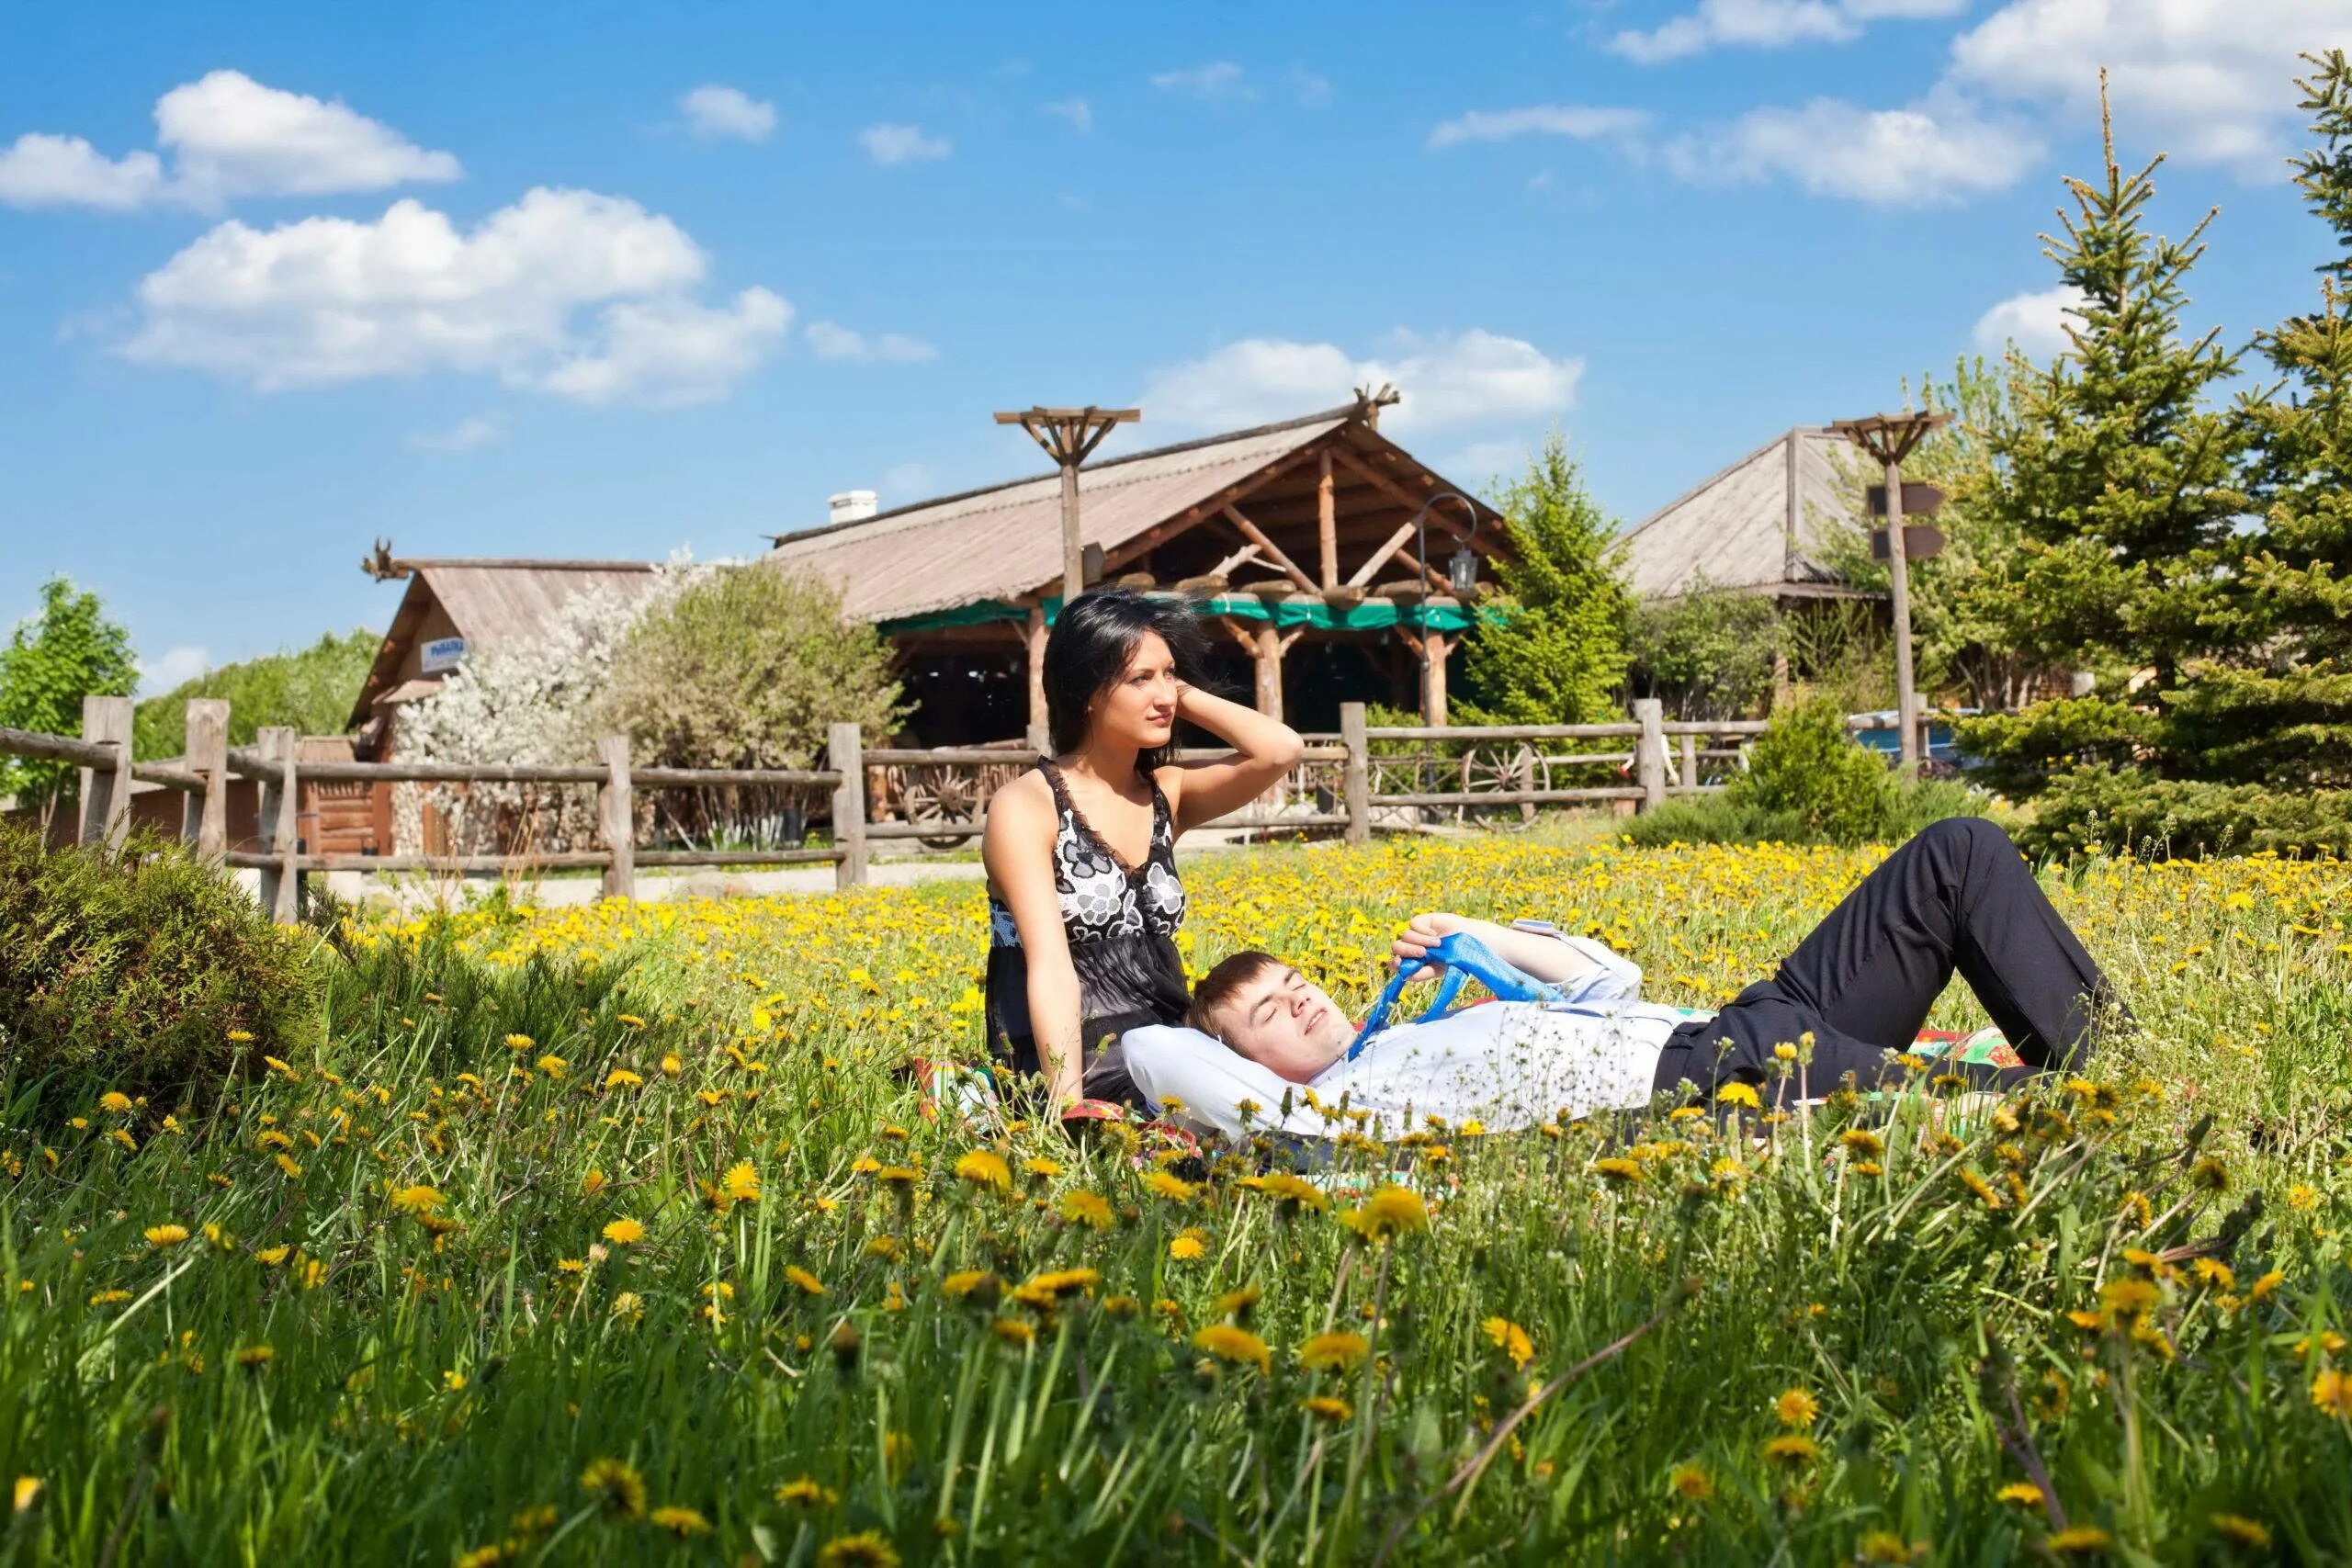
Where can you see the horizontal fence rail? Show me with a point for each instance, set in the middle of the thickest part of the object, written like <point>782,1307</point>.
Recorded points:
<point>939,794</point>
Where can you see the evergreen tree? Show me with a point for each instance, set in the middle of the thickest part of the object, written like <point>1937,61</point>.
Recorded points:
<point>311,691</point>
<point>2283,715</point>
<point>1557,653</point>
<point>69,651</point>
<point>2122,486</point>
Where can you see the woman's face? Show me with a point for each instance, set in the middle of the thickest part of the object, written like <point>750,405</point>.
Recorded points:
<point>1138,709</point>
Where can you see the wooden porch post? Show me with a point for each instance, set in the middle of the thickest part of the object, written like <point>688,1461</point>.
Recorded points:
<point>1435,647</point>
<point>1327,525</point>
<point>1035,637</point>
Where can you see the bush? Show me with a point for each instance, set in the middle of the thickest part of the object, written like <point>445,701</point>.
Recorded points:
<point>1727,820</point>
<point>309,690</point>
<point>1705,654</point>
<point>744,669</point>
<point>132,972</point>
<point>2101,809</point>
<point>1807,766</point>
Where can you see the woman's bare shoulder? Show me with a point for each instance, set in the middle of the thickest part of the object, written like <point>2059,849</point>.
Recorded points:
<point>1023,798</point>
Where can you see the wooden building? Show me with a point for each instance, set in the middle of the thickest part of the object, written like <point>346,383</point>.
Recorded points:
<point>1297,539</point>
<point>1764,526</point>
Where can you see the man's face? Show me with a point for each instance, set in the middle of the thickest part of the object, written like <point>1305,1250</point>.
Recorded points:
<point>1283,1022</point>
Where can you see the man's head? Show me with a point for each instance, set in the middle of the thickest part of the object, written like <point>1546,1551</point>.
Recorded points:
<point>1268,1011</point>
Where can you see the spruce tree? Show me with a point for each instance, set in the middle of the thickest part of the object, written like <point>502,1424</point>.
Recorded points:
<point>1556,653</point>
<point>2281,715</point>
<point>2120,482</point>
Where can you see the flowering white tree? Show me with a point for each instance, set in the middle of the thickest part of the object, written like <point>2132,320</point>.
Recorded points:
<point>530,705</point>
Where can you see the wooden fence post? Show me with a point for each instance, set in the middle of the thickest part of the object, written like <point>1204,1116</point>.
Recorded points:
<point>1649,761</point>
<point>617,812</point>
<point>1689,764</point>
<point>204,818</point>
<point>281,795</point>
<point>845,753</point>
<point>1355,774</point>
<point>105,792</point>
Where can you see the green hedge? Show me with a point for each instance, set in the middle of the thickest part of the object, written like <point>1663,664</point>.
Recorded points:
<point>2103,808</point>
<point>138,972</point>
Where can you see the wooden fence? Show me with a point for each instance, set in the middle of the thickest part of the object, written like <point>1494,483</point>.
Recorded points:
<point>1495,767</point>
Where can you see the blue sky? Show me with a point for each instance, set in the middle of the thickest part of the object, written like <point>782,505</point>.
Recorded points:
<point>591,280</point>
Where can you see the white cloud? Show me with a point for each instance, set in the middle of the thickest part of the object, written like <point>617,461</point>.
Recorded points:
<point>1585,122</point>
<point>671,352</point>
<point>2208,79</point>
<point>228,136</point>
<point>716,112</point>
<point>327,299</point>
<point>231,136</point>
<point>2035,322</point>
<point>1767,24</point>
<point>834,341</point>
<point>1446,378</point>
<point>1078,111</point>
<point>174,668</point>
<point>1932,152</point>
<point>1216,81</point>
<point>892,144</point>
<point>1484,460</point>
<point>65,171</point>
<point>1313,90</point>
<point>463,436</point>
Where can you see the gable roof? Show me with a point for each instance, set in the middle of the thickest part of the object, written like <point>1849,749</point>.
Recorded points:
<point>493,604</point>
<point>1005,541</point>
<point>1759,526</point>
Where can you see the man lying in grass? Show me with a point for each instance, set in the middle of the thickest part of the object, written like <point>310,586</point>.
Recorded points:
<point>1956,896</point>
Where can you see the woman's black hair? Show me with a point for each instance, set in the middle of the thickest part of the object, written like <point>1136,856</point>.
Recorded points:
<point>1090,646</point>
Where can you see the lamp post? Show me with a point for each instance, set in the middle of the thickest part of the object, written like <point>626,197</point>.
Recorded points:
<point>1462,576</point>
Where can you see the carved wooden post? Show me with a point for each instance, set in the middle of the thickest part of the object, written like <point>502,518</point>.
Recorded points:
<point>106,792</point>
<point>1434,649</point>
<point>1327,525</point>
<point>204,818</point>
<point>1649,759</point>
<point>846,752</point>
<point>1689,764</point>
<point>281,883</point>
<point>1356,776</point>
<point>616,814</point>
<point>1035,640</point>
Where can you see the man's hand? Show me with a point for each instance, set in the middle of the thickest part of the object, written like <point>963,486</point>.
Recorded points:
<point>1546,958</point>
<point>1424,931</point>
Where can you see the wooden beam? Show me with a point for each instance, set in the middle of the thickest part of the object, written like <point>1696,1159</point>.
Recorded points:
<point>1269,661</point>
<point>1379,557</point>
<point>1407,498</point>
<point>1326,523</point>
<point>1435,647</point>
<point>1035,637</point>
<point>1233,562</point>
<point>1160,533</point>
<point>1256,536</point>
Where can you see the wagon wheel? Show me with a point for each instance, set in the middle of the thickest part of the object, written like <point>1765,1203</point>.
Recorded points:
<point>1498,768</point>
<point>937,796</point>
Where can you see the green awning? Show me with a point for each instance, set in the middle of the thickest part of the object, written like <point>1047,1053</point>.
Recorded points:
<point>1369,616</point>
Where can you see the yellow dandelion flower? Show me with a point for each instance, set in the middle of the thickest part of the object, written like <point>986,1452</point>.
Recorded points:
<point>1388,1213</point>
<point>2081,1540</point>
<point>1792,1449</point>
<point>867,1549</point>
<point>1862,1141</point>
<point>1235,1346</point>
<point>553,1066</point>
<point>1511,1339</point>
<point>614,1487</point>
<point>27,1492</point>
<point>1740,1094</point>
<point>594,1182</point>
<point>624,1232</point>
<point>1326,1407</point>
<point>678,1520</point>
<point>1886,1547</point>
<point>742,1182</point>
<point>1691,1483</point>
<point>255,1356</point>
<point>108,1298</point>
<point>1084,1208</point>
<point>2023,1494</point>
<point>1795,1408</point>
<point>116,1102</point>
<point>984,1167</point>
<point>803,1492</point>
<point>621,1077</point>
<point>1013,1330</point>
<point>1161,1184</point>
<point>520,1042</point>
<point>1042,1169</point>
<point>809,1283</point>
<point>240,1037</point>
<point>2241,1530</point>
<point>2332,1392</point>
<point>1187,1246</point>
<point>162,1238</point>
<point>416,1199</point>
<point>1618,1170</point>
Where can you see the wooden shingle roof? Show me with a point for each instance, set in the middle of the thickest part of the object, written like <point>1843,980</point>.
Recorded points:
<point>1759,526</point>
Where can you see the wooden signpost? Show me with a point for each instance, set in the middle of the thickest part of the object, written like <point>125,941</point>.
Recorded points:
<point>1069,437</point>
<point>1890,438</point>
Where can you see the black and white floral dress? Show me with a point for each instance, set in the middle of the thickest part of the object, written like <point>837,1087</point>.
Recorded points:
<point>1120,922</point>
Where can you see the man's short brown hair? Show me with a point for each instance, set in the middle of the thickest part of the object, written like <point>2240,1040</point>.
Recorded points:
<point>1218,986</point>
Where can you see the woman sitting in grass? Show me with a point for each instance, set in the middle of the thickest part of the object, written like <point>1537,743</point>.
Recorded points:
<point>1083,896</point>
<point>1956,896</point>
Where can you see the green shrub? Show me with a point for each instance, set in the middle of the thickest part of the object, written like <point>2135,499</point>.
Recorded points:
<point>1727,819</point>
<point>132,972</point>
<point>2021,750</point>
<point>2090,809</point>
<point>1806,766</point>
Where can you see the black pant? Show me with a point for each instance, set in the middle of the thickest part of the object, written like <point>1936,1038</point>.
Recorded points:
<point>1955,897</point>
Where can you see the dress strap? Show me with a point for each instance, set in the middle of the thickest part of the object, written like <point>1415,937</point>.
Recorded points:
<point>1053,772</point>
<point>1163,821</point>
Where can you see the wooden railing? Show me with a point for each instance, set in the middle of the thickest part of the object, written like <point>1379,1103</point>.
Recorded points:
<point>1661,760</point>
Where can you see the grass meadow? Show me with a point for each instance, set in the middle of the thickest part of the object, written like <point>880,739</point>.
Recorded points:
<point>617,1235</point>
